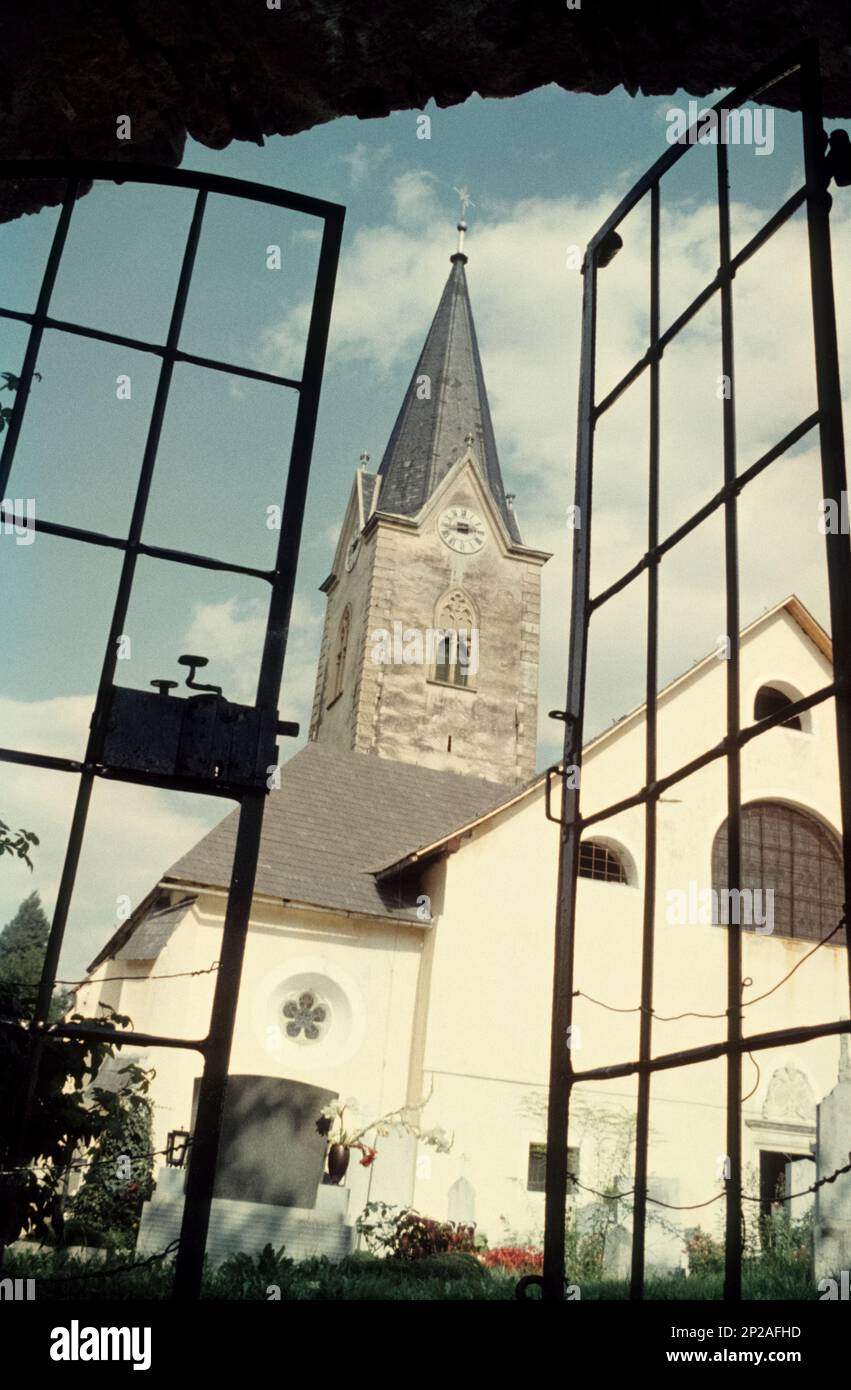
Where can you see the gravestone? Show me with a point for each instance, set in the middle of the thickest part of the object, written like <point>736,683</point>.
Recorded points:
<point>617,1253</point>
<point>832,1230</point>
<point>270,1151</point>
<point>664,1239</point>
<point>461,1201</point>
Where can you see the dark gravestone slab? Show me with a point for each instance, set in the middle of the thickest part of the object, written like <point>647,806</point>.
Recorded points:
<point>270,1150</point>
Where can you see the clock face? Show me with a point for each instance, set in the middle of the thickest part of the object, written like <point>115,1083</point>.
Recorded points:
<point>461,529</point>
<point>352,552</point>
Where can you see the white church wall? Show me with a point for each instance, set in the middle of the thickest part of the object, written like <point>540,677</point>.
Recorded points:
<point>488,1028</point>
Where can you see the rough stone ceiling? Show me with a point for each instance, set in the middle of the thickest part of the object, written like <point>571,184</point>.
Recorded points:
<point>222,70</point>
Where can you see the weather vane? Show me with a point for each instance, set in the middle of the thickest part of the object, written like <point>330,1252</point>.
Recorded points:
<point>466,201</point>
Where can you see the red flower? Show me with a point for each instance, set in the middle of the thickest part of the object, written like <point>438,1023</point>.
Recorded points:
<point>369,1155</point>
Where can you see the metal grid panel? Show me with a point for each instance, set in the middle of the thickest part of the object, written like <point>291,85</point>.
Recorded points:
<point>828,418</point>
<point>215,1047</point>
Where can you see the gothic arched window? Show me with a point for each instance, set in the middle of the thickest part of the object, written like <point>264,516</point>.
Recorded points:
<point>456,640</point>
<point>792,855</point>
<point>339,668</point>
<point>770,699</point>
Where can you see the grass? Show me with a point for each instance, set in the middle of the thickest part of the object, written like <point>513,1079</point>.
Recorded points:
<point>362,1277</point>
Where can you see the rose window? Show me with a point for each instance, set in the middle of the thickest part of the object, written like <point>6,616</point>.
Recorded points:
<point>307,1016</point>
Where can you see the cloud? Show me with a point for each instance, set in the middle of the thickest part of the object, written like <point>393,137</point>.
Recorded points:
<point>145,829</point>
<point>364,160</point>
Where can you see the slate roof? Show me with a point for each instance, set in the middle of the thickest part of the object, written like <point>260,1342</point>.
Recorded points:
<point>337,819</point>
<point>429,435</point>
<point>153,932</point>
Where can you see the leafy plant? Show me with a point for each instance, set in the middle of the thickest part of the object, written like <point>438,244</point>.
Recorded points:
<point>705,1253</point>
<point>516,1260</point>
<point>10,383</point>
<point>403,1234</point>
<point>17,842</point>
<point>120,1177</point>
<point>331,1124</point>
<point>68,1115</point>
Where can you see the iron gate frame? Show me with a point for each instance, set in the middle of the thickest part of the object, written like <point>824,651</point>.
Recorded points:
<point>215,1047</point>
<point>813,194</point>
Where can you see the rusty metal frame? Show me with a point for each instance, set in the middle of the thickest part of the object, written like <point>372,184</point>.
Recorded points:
<point>804,63</point>
<point>215,1047</point>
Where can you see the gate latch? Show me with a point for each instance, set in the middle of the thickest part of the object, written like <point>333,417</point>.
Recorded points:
<point>203,738</point>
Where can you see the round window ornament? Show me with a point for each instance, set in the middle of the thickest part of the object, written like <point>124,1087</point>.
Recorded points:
<point>307,1017</point>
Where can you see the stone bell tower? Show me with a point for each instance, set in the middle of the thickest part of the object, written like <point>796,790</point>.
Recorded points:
<point>430,647</point>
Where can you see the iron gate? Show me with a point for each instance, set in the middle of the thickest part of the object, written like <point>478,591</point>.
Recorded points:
<point>200,744</point>
<point>821,163</point>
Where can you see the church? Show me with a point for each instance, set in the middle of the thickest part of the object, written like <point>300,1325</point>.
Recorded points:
<point>401,941</point>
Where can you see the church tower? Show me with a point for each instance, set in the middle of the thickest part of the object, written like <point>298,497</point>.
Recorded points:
<point>430,646</point>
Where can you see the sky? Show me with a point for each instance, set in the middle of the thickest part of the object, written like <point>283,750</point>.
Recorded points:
<point>543,171</point>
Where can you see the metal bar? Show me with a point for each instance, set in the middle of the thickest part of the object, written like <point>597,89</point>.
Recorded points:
<point>82,1030</point>
<point>156,552</point>
<point>719,499</point>
<point>101,335</point>
<point>114,171</point>
<point>642,1130</point>
<point>774,223</point>
<point>733,1230</point>
<point>211,1095</point>
<point>561,1039</point>
<point>48,281</point>
<point>772,73</point>
<point>834,482</point>
<point>711,755</point>
<point>97,731</point>
<point>16,755</point>
<point>710,1052</point>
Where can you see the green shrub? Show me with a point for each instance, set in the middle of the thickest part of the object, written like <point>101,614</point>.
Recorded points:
<point>452,1265</point>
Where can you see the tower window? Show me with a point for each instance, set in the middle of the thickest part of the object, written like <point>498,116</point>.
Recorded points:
<point>770,700</point>
<point>599,861</point>
<point>792,855</point>
<point>456,634</point>
<point>453,660</point>
<point>339,668</point>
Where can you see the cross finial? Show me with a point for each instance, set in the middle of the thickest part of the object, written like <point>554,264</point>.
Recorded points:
<point>469,439</point>
<point>364,460</point>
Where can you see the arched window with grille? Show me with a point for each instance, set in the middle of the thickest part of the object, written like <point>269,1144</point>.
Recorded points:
<point>455,621</point>
<point>340,651</point>
<point>771,699</point>
<point>790,853</point>
<point>603,862</point>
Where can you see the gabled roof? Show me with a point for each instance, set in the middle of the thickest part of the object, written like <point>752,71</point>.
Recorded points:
<point>336,816</point>
<point>792,605</point>
<point>430,433</point>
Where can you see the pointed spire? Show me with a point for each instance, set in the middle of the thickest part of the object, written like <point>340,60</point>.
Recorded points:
<point>445,405</point>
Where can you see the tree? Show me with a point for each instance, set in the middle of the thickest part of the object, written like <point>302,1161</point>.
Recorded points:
<point>23,942</point>
<point>69,1113</point>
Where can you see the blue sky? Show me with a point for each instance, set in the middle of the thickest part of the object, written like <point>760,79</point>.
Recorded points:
<point>543,170</point>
